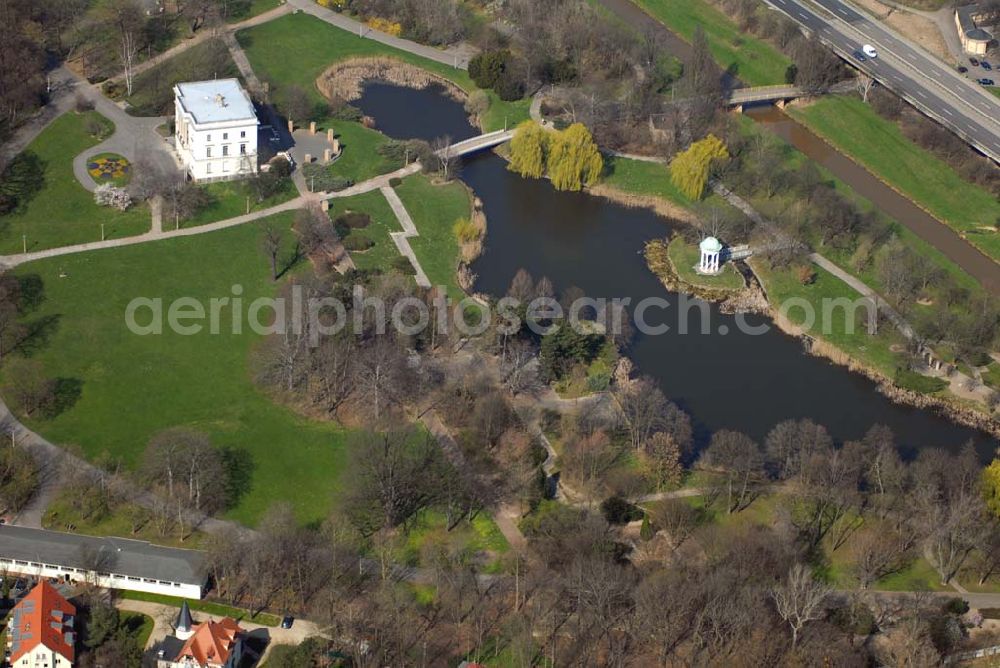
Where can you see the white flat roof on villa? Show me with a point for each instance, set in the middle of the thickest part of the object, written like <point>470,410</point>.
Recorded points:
<point>216,101</point>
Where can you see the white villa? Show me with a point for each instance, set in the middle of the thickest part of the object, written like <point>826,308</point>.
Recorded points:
<point>216,135</point>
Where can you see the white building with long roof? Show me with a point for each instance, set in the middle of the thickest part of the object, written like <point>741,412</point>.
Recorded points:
<point>216,129</point>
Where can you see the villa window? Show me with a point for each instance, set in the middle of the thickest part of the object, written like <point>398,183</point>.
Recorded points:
<point>208,138</point>
<point>225,150</point>
<point>243,149</point>
<point>225,136</point>
<point>243,134</point>
<point>208,151</point>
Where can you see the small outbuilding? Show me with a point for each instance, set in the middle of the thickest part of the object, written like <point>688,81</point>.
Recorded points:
<point>711,254</point>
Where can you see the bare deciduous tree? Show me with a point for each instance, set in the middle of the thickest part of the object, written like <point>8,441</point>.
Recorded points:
<point>864,85</point>
<point>642,407</point>
<point>741,462</point>
<point>799,599</point>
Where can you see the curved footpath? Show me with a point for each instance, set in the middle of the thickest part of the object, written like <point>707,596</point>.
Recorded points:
<point>456,56</point>
<point>134,137</point>
<point>10,261</point>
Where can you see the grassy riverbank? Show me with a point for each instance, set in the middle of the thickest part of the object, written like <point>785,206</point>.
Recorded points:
<point>295,49</point>
<point>751,59</point>
<point>843,329</point>
<point>878,144</point>
<point>434,209</point>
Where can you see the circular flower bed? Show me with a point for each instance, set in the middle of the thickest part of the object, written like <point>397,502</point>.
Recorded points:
<point>109,168</point>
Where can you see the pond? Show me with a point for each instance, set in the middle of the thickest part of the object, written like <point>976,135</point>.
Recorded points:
<point>724,378</point>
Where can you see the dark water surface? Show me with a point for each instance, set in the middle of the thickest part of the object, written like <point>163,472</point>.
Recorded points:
<point>732,380</point>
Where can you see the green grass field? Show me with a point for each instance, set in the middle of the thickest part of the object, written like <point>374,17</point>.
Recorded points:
<point>360,160</point>
<point>650,179</point>
<point>63,212</point>
<point>783,285</point>
<point>135,386</point>
<point>879,145</point>
<point>469,539</point>
<point>229,199</point>
<point>61,516</point>
<point>381,255</point>
<point>208,607</point>
<point>434,209</point>
<point>751,59</point>
<point>297,48</point>
<point>256,7</point>
<point>137,625</point>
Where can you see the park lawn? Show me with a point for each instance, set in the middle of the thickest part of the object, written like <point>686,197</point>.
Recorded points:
<point>879,145</point>
<point>360,159</point>
<point>135,386</point>
<point>992,375</point>
<point>434,209</point>
<point>650,179</point>
<point>783,285</point>
<point>61,516</point>
<point>153,90</point>
<point>63,212</point>
<point>751,59</point>
<point>295,49</point>
<point>137,625</point>
<point>256,8</point>
<point>643,178</point>
<point>381,255</point>
<point>208,607</point>
<point>229,199</point>
<point>917,575</point>
<point>685,256</point>
<point>471,539</point>
<point>995,91</point>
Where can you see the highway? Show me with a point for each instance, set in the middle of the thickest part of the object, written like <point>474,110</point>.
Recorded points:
<point>931,85</point>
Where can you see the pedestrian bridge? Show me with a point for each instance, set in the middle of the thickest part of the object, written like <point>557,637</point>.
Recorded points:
<point>475,144</point>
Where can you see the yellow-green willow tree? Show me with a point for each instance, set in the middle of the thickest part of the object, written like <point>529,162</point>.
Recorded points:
<point>528,149</point>
<point>574,160</point>
<point>689,170</point>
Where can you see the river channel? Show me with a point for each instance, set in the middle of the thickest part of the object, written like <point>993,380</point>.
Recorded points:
<point>723,377</point>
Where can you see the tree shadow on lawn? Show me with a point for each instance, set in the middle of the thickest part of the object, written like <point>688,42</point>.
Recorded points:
<point>296,256</point>
<point>37,334</point>
<point>65,393</point>
<point>240,466</point>
<point>32,293</point>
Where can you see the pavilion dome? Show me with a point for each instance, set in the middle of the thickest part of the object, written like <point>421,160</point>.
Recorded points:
<point>710,245</point>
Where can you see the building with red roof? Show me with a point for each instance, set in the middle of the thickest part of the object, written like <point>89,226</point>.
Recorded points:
<point>40,630</point>
<point>209,644</point>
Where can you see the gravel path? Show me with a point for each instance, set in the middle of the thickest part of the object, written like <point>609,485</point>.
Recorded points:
<point>134,137</point>
<point>402,239</point>
<point>163,617</point>
<point>457,56</point>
